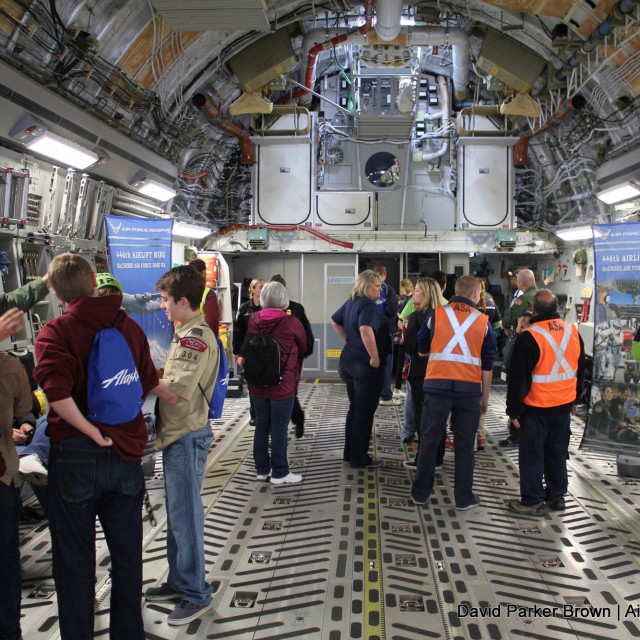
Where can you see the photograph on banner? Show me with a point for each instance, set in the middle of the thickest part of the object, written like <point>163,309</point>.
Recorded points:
<point>614,413</point>
<point>139,254</point>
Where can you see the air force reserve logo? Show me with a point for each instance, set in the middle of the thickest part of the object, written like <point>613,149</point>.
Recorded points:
<point>115,227</point>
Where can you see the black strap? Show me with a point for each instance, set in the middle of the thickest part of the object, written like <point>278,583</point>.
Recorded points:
<point>284,366</point>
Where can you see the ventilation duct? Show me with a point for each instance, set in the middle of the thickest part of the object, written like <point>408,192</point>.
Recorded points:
<point>211,110</point>
<point>388,15</point>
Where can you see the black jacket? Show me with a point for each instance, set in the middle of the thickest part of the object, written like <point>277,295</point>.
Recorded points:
<point>298,311</point>
<point>418,363</point>
<point>524,358</point>
<point>241,323</point>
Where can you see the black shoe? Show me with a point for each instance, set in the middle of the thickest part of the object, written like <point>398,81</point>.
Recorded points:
<point>408,439</point>
<point>516,506</point>
<point>474,503</point>
<point>252,422</point>
<point>508,443</point>
<point>557,504</point>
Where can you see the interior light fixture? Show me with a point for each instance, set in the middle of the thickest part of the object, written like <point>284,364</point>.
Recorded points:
<point>619,193</point>
<point>192,231</point>
<point>152,188</point>
<point>575,233</point>
<point>37,138</point>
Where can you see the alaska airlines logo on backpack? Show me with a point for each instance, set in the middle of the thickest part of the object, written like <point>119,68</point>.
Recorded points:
<point>114,391</point>
<point>122,377</point>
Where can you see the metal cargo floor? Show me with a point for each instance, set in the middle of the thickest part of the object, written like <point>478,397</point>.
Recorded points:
<point>346,554</point>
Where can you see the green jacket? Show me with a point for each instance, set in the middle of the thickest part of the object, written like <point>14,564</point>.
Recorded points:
<point>24,297</point>
<point>522,304</point>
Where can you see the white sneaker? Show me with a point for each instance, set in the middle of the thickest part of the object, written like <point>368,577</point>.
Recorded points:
<point>32,470</point>
<point>399,393</point>
<point>260,476</point>
<point>392,402</point>
<point>289,479</point>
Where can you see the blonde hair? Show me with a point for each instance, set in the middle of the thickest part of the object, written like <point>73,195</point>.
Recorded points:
<point>406,287</point>
<point>466,286</point>
<point>71,276</point>
<point>364,281</point>
<point>432,294</point>
<point>482,303</point>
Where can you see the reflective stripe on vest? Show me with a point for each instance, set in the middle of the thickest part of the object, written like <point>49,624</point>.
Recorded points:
<point>553,381</point>
<point>451,332</point>
<point>559,350</point>
<point>204,297</point>
<point>458,340</point>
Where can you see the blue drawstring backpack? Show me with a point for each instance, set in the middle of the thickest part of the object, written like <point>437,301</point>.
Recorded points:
<point>114,390</point>
<point>216,403</point>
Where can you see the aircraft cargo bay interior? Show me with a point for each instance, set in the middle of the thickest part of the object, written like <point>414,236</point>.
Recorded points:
<point>345,554</point>
<point>338,155</point>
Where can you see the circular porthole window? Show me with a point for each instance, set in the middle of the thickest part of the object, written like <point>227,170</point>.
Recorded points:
<point>382,169</point>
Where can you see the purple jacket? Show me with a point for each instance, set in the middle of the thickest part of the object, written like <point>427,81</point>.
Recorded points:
<point>292,338</point>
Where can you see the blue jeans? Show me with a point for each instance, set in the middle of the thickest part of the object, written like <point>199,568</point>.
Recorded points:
<point>544,445</point>
<point>409,426</point>
<point>272,419</point>
<point>364,385</point>
<point>86,480</point>
<point>465,413</point>
<point>184,463</point>
<point>10,574</point>
<point>40,444</point>
<point>387,393</point>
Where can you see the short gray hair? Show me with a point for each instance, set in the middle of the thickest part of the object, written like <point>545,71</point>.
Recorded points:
<point>274,296</point>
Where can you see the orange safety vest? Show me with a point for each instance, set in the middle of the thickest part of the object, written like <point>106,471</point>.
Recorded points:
<point>554,377</point>
<point>456,343</point>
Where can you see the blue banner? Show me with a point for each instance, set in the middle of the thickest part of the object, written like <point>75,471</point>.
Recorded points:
<point>139,253</point>
<point>614,415</point>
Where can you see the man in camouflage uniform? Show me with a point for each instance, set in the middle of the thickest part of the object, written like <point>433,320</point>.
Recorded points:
<point>526,282</point>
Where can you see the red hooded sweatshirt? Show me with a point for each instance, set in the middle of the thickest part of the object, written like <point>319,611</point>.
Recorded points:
<point>62,353</point>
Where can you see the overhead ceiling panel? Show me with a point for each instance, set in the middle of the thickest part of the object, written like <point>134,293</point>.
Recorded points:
<point>221,15</point>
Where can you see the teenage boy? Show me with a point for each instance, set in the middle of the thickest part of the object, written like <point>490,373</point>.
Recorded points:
<point>94,469</point>
<point>184,436</point>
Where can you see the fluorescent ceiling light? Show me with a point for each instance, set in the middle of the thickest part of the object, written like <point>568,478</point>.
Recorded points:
<point>619,193</point>
<point>33,133</point>
<point>152,188</point>
<point>63,151</point>
<point>193,231</point>
<point>575,233</point>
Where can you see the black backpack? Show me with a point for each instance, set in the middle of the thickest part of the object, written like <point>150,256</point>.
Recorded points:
<point>262,360</point>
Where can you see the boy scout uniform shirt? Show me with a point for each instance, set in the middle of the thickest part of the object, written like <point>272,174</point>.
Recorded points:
<point>193,358</point>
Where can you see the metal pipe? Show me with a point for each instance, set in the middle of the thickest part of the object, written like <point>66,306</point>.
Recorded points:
<point>574,198</point>
<point>388,15</point>
<point>566,109</point>
<point>407,161</point>
<point>212,111</point>
<point>446,115</point>
<point>319,95</point>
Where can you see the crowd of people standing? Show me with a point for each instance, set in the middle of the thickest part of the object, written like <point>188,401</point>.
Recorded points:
<point>442,350</point>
